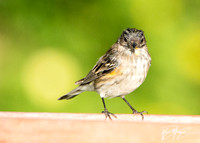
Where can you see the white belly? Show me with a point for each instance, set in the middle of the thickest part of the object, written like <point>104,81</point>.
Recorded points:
<point>134,73</point>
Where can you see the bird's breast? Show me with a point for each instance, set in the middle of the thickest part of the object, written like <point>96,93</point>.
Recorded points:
<point>128,76</point>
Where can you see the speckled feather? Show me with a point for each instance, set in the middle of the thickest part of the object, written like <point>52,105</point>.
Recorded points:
<point>121,70</point>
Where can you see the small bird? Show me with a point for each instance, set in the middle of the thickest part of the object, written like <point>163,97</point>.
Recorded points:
<point>119,72</point>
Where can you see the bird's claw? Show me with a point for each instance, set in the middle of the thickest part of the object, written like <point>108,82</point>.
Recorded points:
<point>108,114</point>
<point>141,113</point>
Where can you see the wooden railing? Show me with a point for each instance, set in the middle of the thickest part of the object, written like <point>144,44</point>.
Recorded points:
<point>20,127</point>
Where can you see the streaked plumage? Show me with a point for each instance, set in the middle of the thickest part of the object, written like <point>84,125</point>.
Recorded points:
<point>120,71</point>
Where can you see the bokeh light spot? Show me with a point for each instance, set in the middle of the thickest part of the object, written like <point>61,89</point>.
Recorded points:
<point>47,75</point>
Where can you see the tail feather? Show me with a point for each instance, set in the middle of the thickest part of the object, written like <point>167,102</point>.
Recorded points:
<point>72,94</point>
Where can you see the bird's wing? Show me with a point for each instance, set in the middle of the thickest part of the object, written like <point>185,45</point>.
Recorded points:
<point>105,65</point>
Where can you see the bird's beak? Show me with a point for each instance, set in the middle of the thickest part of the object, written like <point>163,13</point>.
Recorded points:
<point>134,45</point>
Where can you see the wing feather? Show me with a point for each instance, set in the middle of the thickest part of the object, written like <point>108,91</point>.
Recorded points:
<point>105,65</point>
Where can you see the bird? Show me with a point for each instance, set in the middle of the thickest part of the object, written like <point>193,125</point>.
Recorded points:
<point>121,70</point>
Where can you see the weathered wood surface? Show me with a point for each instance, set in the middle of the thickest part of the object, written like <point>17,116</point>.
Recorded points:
<point>20,127</point>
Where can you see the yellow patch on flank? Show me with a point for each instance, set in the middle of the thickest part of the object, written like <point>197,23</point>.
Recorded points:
<point>114,72</point>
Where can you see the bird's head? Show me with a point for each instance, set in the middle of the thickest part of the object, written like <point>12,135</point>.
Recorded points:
<point>132,38</point>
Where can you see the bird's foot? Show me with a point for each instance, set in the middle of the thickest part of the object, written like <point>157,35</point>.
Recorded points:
<point>108,114</point>
<point>141,113</point>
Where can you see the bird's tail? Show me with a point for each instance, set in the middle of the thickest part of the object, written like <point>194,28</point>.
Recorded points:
<point>72,93</point>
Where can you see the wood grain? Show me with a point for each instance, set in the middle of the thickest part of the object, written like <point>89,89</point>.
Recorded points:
<point>20,127</point>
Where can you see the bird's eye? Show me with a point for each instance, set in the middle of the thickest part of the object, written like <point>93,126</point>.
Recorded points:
<point>142,40</point>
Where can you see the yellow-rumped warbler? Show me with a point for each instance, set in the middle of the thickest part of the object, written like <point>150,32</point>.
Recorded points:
<point>120,71</point>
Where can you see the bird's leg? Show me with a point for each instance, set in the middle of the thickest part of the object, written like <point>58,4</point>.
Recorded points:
<point>134,111</point>
<point>106,112</point>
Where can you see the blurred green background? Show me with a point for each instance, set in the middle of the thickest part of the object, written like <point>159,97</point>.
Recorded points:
<point>45,46</point>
